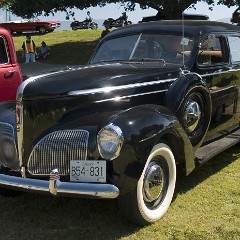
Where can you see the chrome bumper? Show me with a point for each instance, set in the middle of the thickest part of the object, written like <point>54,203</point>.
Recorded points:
<point>55,187</point>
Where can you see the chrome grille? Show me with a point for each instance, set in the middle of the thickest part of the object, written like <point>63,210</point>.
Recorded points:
<point>56,150</point>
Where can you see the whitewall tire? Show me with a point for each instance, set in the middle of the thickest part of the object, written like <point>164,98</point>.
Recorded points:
<point>151,198</point>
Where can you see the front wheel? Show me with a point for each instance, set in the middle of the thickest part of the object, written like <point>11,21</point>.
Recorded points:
<point>41,30</point>
<point>94,26</point>
<point>151,198</point>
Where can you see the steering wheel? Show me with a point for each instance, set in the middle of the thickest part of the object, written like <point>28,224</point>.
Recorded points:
<point>157,50</point>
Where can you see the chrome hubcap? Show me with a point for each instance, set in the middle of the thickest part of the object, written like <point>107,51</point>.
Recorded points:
<point>192,115</point>
<point>153,182</point>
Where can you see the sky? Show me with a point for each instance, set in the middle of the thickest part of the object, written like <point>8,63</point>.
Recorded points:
<point>115,10</point>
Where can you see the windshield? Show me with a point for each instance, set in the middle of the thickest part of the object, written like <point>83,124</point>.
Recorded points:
<point>145,47</point>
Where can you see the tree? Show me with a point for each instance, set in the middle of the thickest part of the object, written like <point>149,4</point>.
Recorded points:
<point>170,8</point>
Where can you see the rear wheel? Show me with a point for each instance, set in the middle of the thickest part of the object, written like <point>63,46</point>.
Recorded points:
<point>151,198</point>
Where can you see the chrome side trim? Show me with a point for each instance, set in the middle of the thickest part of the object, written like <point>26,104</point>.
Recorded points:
<point>115,88</point>
<point>134,95</point>
<point>69,189</point>
<point>217,73</point>
<point>136,85</point>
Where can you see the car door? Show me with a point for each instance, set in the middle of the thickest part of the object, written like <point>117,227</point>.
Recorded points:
<point>9,76</point>
<point>213,61</point>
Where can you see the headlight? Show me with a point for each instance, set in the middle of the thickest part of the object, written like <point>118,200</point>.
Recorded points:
<point>110,141</point>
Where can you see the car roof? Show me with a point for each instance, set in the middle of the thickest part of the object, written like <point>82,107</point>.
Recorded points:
<point>191,27</point>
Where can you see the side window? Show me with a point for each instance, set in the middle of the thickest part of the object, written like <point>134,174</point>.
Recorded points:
<point>3,53</point>
<point>212,51</point>
<point>234,44</point>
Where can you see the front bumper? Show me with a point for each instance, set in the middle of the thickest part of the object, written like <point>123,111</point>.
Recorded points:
<point>55,187</point>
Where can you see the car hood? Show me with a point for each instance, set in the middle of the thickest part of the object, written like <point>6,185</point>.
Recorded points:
<point>93,78</point>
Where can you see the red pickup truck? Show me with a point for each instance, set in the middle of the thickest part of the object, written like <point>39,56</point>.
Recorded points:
<point>10,72</point>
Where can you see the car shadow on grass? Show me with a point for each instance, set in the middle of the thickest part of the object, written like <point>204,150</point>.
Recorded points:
<point>30,215</point>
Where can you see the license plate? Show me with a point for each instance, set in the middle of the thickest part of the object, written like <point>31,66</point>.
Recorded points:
<point>87,171</point>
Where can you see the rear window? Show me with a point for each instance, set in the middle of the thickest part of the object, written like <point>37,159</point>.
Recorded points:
<point>212,51</point>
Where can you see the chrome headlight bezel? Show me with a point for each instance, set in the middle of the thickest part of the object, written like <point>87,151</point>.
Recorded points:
<point>110,141</point>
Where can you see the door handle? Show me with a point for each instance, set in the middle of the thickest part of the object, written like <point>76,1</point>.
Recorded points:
<point>9,74</point>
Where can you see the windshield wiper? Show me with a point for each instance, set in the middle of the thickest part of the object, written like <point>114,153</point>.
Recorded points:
<point>148,60</point>
<point>112,60</point>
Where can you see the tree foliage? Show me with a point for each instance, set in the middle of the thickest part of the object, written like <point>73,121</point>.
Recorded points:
<point>170,8</point>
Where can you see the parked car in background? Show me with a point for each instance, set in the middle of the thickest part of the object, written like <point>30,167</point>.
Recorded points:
<point>54,23</point>
<point>30,26</point>
<point>236,16</point>
<point>152,100</point>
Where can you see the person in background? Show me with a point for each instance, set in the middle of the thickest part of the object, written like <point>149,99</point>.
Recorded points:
<point>88,18</point>
<point>43,51</point>
<point>29,50</point>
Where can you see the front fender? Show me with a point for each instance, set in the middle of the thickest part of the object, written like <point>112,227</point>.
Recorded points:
<point>143,127</point>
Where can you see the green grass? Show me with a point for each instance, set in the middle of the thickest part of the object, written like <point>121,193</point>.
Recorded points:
<point>67,47</point>
<point>206,204</point>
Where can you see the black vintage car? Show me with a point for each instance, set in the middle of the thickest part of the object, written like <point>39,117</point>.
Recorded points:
<point>155,97</point>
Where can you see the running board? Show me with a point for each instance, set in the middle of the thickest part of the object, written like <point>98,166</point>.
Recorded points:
<point>210,150</point>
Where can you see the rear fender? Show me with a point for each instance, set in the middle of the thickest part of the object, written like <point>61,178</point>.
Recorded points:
<point>179,89</point>
<point>190,101</point>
